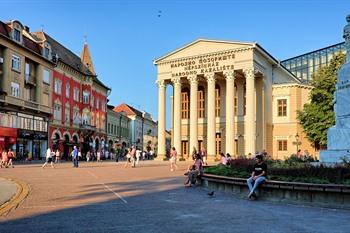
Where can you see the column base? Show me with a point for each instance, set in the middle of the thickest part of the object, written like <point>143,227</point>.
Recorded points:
<point>160,157</point>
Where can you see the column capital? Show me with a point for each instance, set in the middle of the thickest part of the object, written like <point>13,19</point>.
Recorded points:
<point>193,79</point>
<point>176,81</point>
<point>229,75</point>
<point>161,83</point>
<point>249,72</point>
<point>210,77</point>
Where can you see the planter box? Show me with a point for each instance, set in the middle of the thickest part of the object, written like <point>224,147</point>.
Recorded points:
<point>325,195</point>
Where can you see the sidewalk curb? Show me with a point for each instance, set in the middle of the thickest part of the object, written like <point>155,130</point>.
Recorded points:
<point>21,194</point>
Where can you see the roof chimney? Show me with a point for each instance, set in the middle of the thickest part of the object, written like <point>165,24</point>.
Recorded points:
<point>26,28</point>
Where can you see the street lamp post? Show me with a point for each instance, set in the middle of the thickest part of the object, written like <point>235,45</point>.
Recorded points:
<point>297,141</point>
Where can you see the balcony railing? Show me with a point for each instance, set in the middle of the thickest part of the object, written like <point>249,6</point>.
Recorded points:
<point>87,127</point>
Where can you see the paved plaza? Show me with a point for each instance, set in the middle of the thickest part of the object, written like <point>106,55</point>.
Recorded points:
<point>107,197</point>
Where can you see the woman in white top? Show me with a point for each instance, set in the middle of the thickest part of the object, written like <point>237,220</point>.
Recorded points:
<point>173,158</point>
<point>49,155</point>
<point>57,155</point>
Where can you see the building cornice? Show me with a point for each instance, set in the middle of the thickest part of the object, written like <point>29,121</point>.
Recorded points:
<point>205,55</point>
<point>290,85</point>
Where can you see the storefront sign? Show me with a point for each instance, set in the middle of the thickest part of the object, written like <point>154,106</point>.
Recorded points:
<point>8,132</point>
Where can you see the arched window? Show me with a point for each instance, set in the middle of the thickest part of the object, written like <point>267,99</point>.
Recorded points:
<point>185,103</point>
<point>201,102</point>
<point>217,101</point>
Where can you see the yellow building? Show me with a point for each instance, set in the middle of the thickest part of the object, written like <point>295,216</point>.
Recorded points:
<point>230,97</point>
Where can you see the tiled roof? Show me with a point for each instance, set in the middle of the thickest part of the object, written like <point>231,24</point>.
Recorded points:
<point>68,57</point>
<point>128,110</point>
<point>64,54</point>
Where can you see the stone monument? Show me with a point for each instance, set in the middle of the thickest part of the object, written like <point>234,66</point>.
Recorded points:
<point>338,136</point>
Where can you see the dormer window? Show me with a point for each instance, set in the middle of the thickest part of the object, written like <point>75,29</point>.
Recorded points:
<point>17,35</point>
<point>47,50</point>
<point>17,31</point>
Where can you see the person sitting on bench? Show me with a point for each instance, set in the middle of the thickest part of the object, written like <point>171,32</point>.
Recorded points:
<point>258,176</point>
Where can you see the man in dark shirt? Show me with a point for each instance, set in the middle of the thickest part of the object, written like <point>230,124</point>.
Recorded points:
<point>258,175</point>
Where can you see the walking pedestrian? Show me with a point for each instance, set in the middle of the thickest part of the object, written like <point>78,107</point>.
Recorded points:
<point>173,158</point>
<point>75,156</point>
<point>133,156</point>
<point>57,156</point>
<point>98,156</point>
<point>88,156</point>
<point>10,157</point>
<point>128,158</point>
<point>49,155</point>
<point>4,158</point>
<point>138,155</point>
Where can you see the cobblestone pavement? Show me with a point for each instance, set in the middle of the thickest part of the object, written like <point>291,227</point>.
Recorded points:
<point>106,197</point>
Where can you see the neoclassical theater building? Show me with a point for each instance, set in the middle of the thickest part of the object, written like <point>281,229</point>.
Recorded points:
<point>230,97</point>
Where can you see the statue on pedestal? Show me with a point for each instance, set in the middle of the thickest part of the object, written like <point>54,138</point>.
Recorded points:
<point>338,136</point>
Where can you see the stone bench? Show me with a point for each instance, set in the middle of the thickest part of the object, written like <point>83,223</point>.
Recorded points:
<point>326,195</point>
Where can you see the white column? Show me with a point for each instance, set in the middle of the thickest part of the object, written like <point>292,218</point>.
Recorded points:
<point>193,112</point>
<point>211,123</point>
<point>172,118</point>
<point>177,115</point>
<point>161,119</point>
<point>230,123</point>
<point>249,123</point>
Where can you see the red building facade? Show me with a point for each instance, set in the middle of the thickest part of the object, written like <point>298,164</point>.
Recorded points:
<point>79,101</point>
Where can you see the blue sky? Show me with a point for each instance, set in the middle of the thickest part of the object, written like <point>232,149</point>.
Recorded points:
<point>126,36</point>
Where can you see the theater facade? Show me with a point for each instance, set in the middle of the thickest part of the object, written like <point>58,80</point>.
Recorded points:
<point>229,97</point>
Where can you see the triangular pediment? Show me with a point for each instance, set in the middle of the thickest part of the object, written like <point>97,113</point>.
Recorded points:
<point>203,46</point>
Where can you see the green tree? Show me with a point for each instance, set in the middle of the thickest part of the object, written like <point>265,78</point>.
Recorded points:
<point>318,115</point>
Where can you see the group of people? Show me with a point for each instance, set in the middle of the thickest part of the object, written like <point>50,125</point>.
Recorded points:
<point>52,157</point>
<point>133,157</point>
<point>6,158</point>
<point>194,170</point>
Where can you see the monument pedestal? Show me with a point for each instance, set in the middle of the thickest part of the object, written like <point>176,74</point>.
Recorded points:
<point>334,156</point>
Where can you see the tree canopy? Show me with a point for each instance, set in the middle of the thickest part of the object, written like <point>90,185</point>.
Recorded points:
<point>318,115</point>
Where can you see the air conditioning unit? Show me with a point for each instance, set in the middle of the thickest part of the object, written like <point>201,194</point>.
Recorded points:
<point>1,60</point>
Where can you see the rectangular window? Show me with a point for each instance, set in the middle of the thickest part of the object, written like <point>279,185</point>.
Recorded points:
<point>85,97</point>
<point>15,89</point>
<point>16,63</point>
<point>67,90</point>
<point>98,103</point>
<point>217,102</point>
<point>57,112</point>
<point>46,76</point>
<point>282,145</point>
<point>184,147</point>
<point>27,71</point>
<point>46,52</point>
<point>282,107</point>
<point>184,105</point>
<point>76,94</point>
<point>16,35</point>
<point>58,86</point>
<point>201,104</point>
<point>66,115</point>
